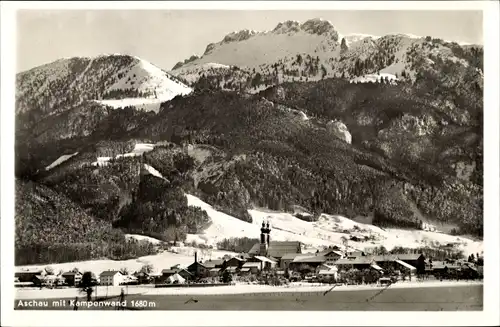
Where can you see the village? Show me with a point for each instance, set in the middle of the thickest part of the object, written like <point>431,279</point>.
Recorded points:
<point>273,263</point>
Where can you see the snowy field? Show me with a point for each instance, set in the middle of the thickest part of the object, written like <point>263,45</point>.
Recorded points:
<point>24,294</point>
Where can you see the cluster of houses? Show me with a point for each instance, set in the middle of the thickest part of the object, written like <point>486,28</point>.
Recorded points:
<point>282,257</point>
<point>279,257</point>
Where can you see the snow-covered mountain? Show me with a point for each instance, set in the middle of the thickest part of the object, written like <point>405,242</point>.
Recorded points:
<point>314,50</point>
<point>113,80</point>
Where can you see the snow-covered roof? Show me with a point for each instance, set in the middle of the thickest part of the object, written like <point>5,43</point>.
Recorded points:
<point>264,259</point>
<point>109,273</point>
<point>402,263</point>
<point>310,259</point>
<point>251,264</point>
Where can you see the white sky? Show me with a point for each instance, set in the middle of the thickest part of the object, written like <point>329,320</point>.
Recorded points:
<point>165,37</point>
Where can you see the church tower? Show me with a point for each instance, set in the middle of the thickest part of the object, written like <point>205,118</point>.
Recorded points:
<point>263,240</point>
<point>268,231</point>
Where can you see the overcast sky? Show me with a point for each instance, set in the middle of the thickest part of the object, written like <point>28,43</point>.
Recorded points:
<point>165,37</point>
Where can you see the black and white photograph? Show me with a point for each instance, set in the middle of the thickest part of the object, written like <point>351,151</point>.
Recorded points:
<point>195,159</point>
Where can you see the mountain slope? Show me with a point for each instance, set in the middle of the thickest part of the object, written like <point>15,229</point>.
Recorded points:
<point>52,228</point>
<point>315,49</point>
<point>68,83</point>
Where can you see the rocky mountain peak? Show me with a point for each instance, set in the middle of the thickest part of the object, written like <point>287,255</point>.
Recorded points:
<point>318,26</point>
<point>239,36</point>
<point>287,27</point>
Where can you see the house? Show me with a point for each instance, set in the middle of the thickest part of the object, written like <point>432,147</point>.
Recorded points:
<point>130,280</point>
<point>361,262</point>
<point>165,273</point>
<point>266,263</point>
<point>287,259</point>
<point>386,261</point>
<point>325,266</point>
<point>416,260</point>
<point>325,272</point>
<point>312,261</point>
<point>244,271</point>
<point>354,254</point>
<point>443,268</point>
<point>214,272</point>
<point>143,277</point>
<point>253,267</point>
<point>331,255</point>
<point>111,278</point>
<point>72,278</point>
<point>235,262</point>
<point>198,269</point>
<point>232,269</point>
<point>176,279</point>
<point>210,264</point>
<point>27,275</point>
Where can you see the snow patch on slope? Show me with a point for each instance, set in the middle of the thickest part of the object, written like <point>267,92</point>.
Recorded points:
<point>153,171</point>
<point>60,160</point>
<point>138,150</point>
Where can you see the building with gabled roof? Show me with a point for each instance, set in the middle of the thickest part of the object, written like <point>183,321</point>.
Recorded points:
<point>285,261</point>
<point>416,260</point>
<point>235,262</point>
<point>72,278</point>
<point>267,263</point>
<point>110,278</point>
<point>218,263</point>
<point>277,249</point>
<point>362,262</point>
<point>312,261</point>
<point>253,267</point>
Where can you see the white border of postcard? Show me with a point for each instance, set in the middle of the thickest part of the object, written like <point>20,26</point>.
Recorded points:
<point>489,316</point>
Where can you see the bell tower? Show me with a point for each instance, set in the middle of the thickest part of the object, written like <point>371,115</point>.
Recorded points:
<point>263,240</point>
<point>268,231</point>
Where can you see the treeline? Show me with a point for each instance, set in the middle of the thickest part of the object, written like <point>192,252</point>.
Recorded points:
<point>127,93</point>
<point>433,253</point>
<point>120,249</point>
<point>237,244</point>
<point>51,228</point>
